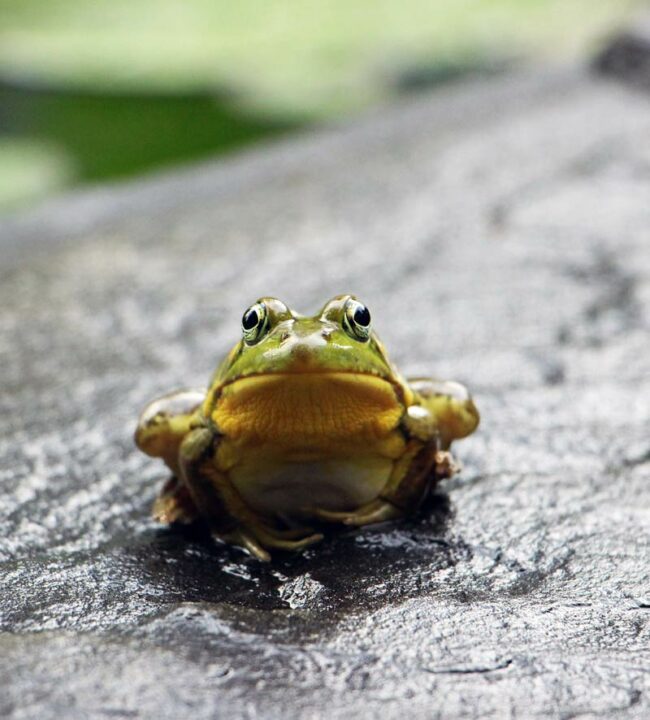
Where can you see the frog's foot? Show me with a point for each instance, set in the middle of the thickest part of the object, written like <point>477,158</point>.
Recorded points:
<point>445,465</point>
<point>174,504</point>
<point>376,511</point>
<point>257,539</point>
<point>246,540</point>
<point>272,538</point>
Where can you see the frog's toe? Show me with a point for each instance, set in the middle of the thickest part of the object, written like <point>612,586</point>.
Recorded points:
<point>246,540</point>
<point>258,540</point>
<point>374,512</point>
<point>277,539</point>
<point>329,515</point>
<point>377,512</point>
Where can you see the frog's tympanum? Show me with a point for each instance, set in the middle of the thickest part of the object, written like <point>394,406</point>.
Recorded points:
<point>305,422</point>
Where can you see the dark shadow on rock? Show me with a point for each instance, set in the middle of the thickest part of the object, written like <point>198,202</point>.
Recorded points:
<point>348,570</point>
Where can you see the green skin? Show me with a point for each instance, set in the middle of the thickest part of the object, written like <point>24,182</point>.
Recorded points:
<point>180,427</point>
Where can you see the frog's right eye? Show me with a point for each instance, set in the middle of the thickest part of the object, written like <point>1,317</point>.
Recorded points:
<point>255,323</point>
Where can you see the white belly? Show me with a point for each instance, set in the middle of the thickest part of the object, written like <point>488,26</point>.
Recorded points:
<point>292,489</point>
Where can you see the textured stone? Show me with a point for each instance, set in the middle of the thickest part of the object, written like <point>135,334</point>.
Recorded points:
<point>500,234</point>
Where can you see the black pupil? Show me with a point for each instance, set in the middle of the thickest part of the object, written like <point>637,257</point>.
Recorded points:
<point>250,319</point>
<point>362,316</point>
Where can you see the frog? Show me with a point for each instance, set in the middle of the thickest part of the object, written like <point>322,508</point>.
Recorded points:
<point>305,424</point>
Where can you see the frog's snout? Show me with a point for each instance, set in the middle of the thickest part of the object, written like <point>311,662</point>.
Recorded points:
<point>303,347</point>
<point>303,351</point>
<point>301,355</point>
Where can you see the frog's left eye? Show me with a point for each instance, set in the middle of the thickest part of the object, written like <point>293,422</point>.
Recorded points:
<point>356,320</point>
<point>255,323</point>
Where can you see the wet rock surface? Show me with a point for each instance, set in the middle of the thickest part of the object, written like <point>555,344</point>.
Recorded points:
<point>500,235</point>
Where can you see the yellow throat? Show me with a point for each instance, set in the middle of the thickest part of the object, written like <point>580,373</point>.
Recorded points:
<point>318,409</point>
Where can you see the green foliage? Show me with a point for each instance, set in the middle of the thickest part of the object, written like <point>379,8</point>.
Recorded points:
<point>316,56</point>
<point>115,134</point>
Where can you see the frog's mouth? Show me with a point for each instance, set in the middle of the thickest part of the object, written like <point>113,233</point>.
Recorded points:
<point>301,408</point>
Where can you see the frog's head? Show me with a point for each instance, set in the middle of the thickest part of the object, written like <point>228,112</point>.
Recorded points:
<point>275,339</point>
<point>280,346</point>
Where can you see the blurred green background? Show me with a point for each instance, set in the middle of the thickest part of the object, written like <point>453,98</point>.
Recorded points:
<point>93,90</point>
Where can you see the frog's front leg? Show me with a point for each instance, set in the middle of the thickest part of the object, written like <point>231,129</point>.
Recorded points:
<point>443,412</point>
<point>219,503</point>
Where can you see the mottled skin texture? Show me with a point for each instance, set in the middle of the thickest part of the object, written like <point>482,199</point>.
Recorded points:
<point>305,422</point>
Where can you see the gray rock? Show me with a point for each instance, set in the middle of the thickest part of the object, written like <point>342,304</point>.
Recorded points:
<point>627,56</point>
<point>499,234</point>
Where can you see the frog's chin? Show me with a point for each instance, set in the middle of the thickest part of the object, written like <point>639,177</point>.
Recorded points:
<point>308,409</point>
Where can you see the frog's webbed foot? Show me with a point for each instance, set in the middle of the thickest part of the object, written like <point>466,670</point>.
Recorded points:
<point>174,504</point>
<point>258,538</point>
<point>246,540</point>
<point>376,511</point>
<point>284,540</point>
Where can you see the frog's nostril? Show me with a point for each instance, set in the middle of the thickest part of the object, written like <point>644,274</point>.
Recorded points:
<point>284,337</point>
<point>326,333</point>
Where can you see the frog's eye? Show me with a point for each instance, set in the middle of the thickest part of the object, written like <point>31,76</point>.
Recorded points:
<point>255,323</point>
<point>356,320</point>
